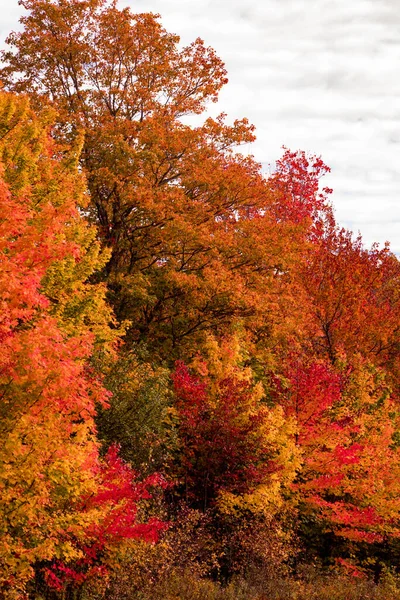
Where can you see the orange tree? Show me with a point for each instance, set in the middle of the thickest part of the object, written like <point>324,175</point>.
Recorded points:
<point>199,241</point>
<point>63,510</point>
<point>340,381</point>
<point>190,223</point>
<point>235,459</point>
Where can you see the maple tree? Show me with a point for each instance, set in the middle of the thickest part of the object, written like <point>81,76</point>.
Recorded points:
<point>130,239</point>
<point>194,244</point>
<point>233,449</point>
<point>296,189</point>
<point>353,294</point>
<point>347,436</point>
<point>339,376</point>
<point>339,379</point>
<point>234,458</point>
<point>49,455</point>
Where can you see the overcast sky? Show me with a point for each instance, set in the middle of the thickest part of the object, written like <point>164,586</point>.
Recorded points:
<point>317,75</point>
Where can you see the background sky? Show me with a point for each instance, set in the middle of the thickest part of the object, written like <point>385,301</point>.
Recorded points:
<point>317,75</point>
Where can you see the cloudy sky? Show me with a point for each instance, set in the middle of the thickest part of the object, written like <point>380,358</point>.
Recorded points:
<point>317,75</point>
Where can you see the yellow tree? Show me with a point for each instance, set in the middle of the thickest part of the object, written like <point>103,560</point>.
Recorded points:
<point>49,462</point>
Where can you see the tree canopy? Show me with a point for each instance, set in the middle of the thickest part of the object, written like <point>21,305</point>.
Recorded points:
<point>188,347</point>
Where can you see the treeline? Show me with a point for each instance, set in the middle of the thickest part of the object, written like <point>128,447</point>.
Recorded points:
<point>199,368</point>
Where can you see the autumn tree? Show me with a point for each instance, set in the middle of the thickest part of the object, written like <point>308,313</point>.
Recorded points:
<point>231,444</point>
<point>353,297</point>
<point>235,457</point>
<point>295,185</point>
<point>347,437</point>
<point>187,218</point>
<point>50,465</point>
<point>195,249</point>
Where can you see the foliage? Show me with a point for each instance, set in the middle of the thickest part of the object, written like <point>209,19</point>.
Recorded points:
<point>312,585</point>
<point>49,455</point>
<point>233,449</point>
<point>188,220</point>
<point>165,308</point>
<point>136,415</point>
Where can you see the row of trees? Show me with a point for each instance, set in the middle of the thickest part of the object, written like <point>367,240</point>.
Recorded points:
<point>189,349</point>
